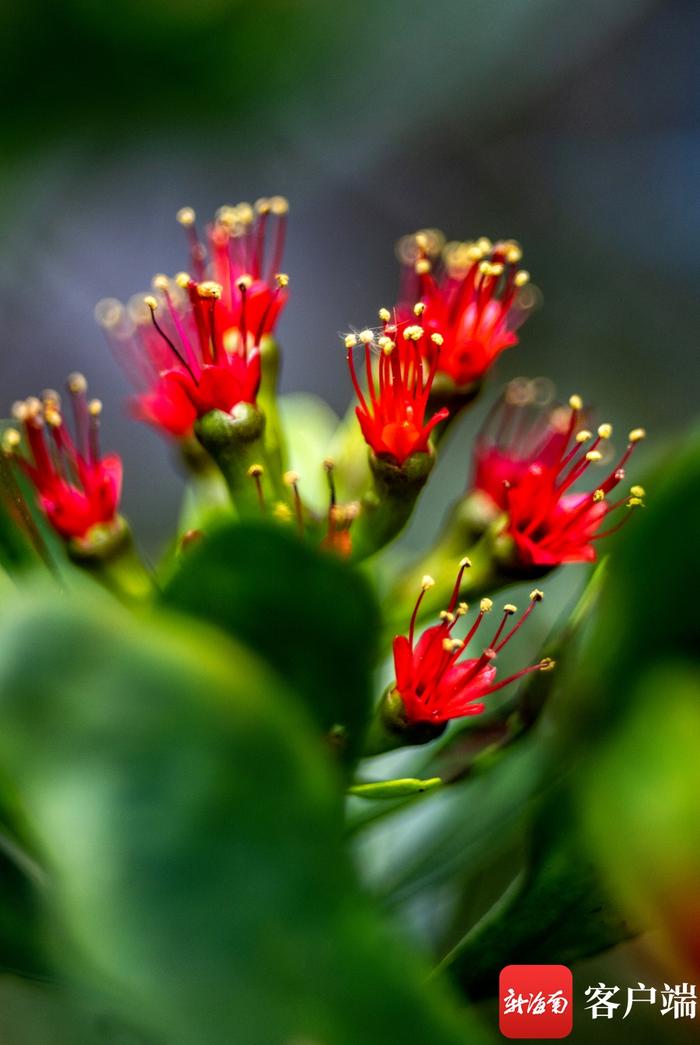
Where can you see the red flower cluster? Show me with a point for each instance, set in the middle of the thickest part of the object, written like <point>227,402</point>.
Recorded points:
<point>434,683</point>
<point>194,344</point>
<point>527,462</point>
<point>392,412</point>
<point>76,488</point>
<point>474,297</point>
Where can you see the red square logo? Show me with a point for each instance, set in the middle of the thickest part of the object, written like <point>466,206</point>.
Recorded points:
<point>536,1001</point>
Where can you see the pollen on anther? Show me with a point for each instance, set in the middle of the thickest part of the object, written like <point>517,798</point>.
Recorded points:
<point>546,664</point>
<point>536,595</point>
<point>605,431</point>
<point>76,383</point>
<point>350,341</point>
<point>384,315</point>
<point>150,302</point>
<point>185,216</point>
<point>486,605</point>
<point>290,478</point>
<point>583,436</point>
<point>366,337</point>
<point>465,563</point>
<point>282,279</point>
<point>160,282</point>
<point>427,582</point>
<point>509,608</point>
<point>521,278</point>
<point>10,440</point>
<point>462,609</point>
<point>598,496</point>
<point>637,491</point>
<point>575,402</point>
<point>636,434</point>
<point>594,455</point>
<point>437,339</point>
<point>422,267</point>
<point>255,471</point>
<point>447,616</point>
<point>95,407</point>
<point>243,282</point>
<point>419,308</point>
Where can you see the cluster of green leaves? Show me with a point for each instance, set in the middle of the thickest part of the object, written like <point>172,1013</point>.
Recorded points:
<point>174,856</point>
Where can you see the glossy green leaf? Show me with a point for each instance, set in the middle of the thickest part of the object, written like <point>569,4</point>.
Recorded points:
<point>556,911</point>
<point>189,824</point>
<point>306,612</point>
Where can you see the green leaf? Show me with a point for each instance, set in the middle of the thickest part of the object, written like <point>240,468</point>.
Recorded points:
<point>190,826</point>
<point>309,614</point>
<point>556,910</point>
<point>403,788</point>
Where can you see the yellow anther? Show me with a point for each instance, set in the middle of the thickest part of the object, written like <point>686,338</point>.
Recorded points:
<point>638,491</point>
<point>421,241</point>
<point>108,312</point>
<point>52,417</point>
<point>484,244</point>
<point>486,605</point>
<point>575,402</point>
<point>76,384</point>
<point>350,340</point>
<point>244,214</point>
<point>366,337</point>
<point>598,496</point>
<point>450,645</point>
<point>183,280</point>
<point>521,278</point>
<point>244,282</point>
<point>546,664</point>
<point>19,410</point>
<point>485,268</point>
<point>514,254</point>
<point>95,407</point>
<point>413,333</point>
<point>583,436</point>
<point>427,582</point>
<point>255,471</point>
<point>462,609</point>
<point>497,268</point>
<point>387,345</point>
<point>465,563</point>
<point>282,512</point>
<point>634,502</point>
<point>422,267</point>
<point>594,455</point>
<point>384,315</point>
<point>509,608</point>
<point>262,205</point>
<point>282,279</point>
<point>186,216</point>
<point>447,616</point>
<point>160,282</point>
<point>605,431</point>
<point>437,339</point>
<point>291,478</point>
<point>636,434</point>
<point>419,308</point>
<point>151,302</point>
<point>279,205</point>
<point>10,440</point>
<point>536,595</point>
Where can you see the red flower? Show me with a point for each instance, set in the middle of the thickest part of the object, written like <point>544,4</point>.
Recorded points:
<point>528,467</point>
<point>434,683</point>
<point>76,488</point>
<point>474,299</point>
<point>195,347</point>
<point>392,413</point>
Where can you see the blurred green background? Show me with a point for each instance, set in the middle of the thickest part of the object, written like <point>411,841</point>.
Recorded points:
<point>573,128</point>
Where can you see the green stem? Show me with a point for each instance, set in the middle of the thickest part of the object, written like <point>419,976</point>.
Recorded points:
<point>388,505</point>
<point>236,441</point>
<point>109,556</point>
